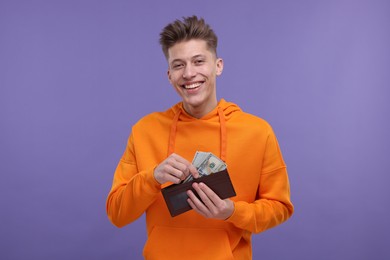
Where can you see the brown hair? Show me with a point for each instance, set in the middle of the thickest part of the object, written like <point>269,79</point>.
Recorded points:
<point>188,29</point>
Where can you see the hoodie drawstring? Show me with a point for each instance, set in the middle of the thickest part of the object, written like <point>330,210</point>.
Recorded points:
<point>222,122</point>
<point>172,133</point>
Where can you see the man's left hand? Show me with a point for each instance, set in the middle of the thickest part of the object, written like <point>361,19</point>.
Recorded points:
<point>210,205</point>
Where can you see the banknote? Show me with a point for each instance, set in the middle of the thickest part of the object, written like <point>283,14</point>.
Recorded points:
<point>206,163</point>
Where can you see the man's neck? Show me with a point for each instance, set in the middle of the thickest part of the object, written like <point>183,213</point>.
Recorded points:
<point>200,111</point>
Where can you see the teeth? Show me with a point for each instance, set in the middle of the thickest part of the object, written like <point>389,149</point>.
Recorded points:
<point>194,85</point>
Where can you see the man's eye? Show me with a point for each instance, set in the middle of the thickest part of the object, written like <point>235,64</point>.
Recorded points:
<point>177,66</point>
<point>199,62</point>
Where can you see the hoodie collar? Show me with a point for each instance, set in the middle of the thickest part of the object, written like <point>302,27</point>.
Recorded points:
<point>223,110</point>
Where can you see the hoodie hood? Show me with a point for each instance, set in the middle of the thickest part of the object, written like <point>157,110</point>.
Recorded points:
<point>223,112</point>
<point>228,108</point>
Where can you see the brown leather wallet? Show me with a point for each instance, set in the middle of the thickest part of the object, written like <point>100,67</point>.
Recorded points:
<point>176,196</point>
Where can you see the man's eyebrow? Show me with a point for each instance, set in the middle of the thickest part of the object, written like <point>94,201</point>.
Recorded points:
<point>198,56</point>
<point>192,58</point>
<point>176,60</point>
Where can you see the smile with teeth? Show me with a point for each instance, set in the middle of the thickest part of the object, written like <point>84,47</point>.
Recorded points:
<point>192,86</point>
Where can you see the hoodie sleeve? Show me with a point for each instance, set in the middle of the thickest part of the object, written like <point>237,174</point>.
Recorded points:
<point>273,205</point>
<point>132,192</point>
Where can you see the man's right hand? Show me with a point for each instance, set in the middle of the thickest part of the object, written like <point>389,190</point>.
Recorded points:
<point>174,169</point>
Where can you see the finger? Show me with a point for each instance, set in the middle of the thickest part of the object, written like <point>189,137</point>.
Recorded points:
<point>209,193</point>
<point>175,173</point>
<point>185,166</point>
<point>194,172</point>
<point>196,204</point>
<point>195,208</point>
<point>180,159</point>
<point>173,179</point>
<point>181,167</point>
<point>212,201</point>
<point>216,205</point>
<point>203,195</point>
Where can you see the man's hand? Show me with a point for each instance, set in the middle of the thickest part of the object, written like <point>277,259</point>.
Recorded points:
<point>210,205</point>
<point>174,169</point>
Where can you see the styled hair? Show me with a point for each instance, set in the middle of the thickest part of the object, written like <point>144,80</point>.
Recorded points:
<point>190,28</point>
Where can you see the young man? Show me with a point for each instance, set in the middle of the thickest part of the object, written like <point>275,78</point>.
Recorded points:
<point>161,146</point>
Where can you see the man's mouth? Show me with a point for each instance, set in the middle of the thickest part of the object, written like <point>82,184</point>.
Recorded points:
<point>192,85</point>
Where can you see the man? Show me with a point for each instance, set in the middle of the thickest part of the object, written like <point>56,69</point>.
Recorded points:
<point>161,146</point>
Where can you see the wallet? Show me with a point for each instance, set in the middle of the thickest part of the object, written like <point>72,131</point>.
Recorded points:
<point>175,195</point>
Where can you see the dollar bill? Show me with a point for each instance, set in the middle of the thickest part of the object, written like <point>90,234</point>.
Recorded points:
<point>211,165</point>
<point>206,163</point>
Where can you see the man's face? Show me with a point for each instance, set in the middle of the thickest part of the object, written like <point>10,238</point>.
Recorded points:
<point>192,71</point>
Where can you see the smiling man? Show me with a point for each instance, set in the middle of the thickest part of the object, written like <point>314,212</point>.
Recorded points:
<point>193,68</point>
<point>162,144</point>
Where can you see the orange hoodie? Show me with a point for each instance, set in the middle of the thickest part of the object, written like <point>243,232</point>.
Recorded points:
<point>248,146</point>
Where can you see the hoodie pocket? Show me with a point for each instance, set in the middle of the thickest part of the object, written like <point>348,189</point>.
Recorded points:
<point>187,243</point>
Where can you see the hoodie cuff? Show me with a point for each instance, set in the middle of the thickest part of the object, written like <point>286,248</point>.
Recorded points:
<point>238,215</point>
<point>153,185</point>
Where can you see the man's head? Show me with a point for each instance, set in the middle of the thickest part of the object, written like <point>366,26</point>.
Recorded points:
<point>193,65</point>
<point>188,29</point>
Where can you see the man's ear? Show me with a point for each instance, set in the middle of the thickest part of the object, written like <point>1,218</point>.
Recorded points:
<point>169,76</point>
<point>219,66</point>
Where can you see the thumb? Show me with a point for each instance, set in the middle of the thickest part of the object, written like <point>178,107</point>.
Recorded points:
<point>193,171</point>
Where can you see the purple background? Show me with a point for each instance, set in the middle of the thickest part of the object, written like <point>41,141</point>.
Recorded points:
<point>75,75</point>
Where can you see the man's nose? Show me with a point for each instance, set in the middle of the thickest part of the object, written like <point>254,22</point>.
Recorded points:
<point>189,72</point>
